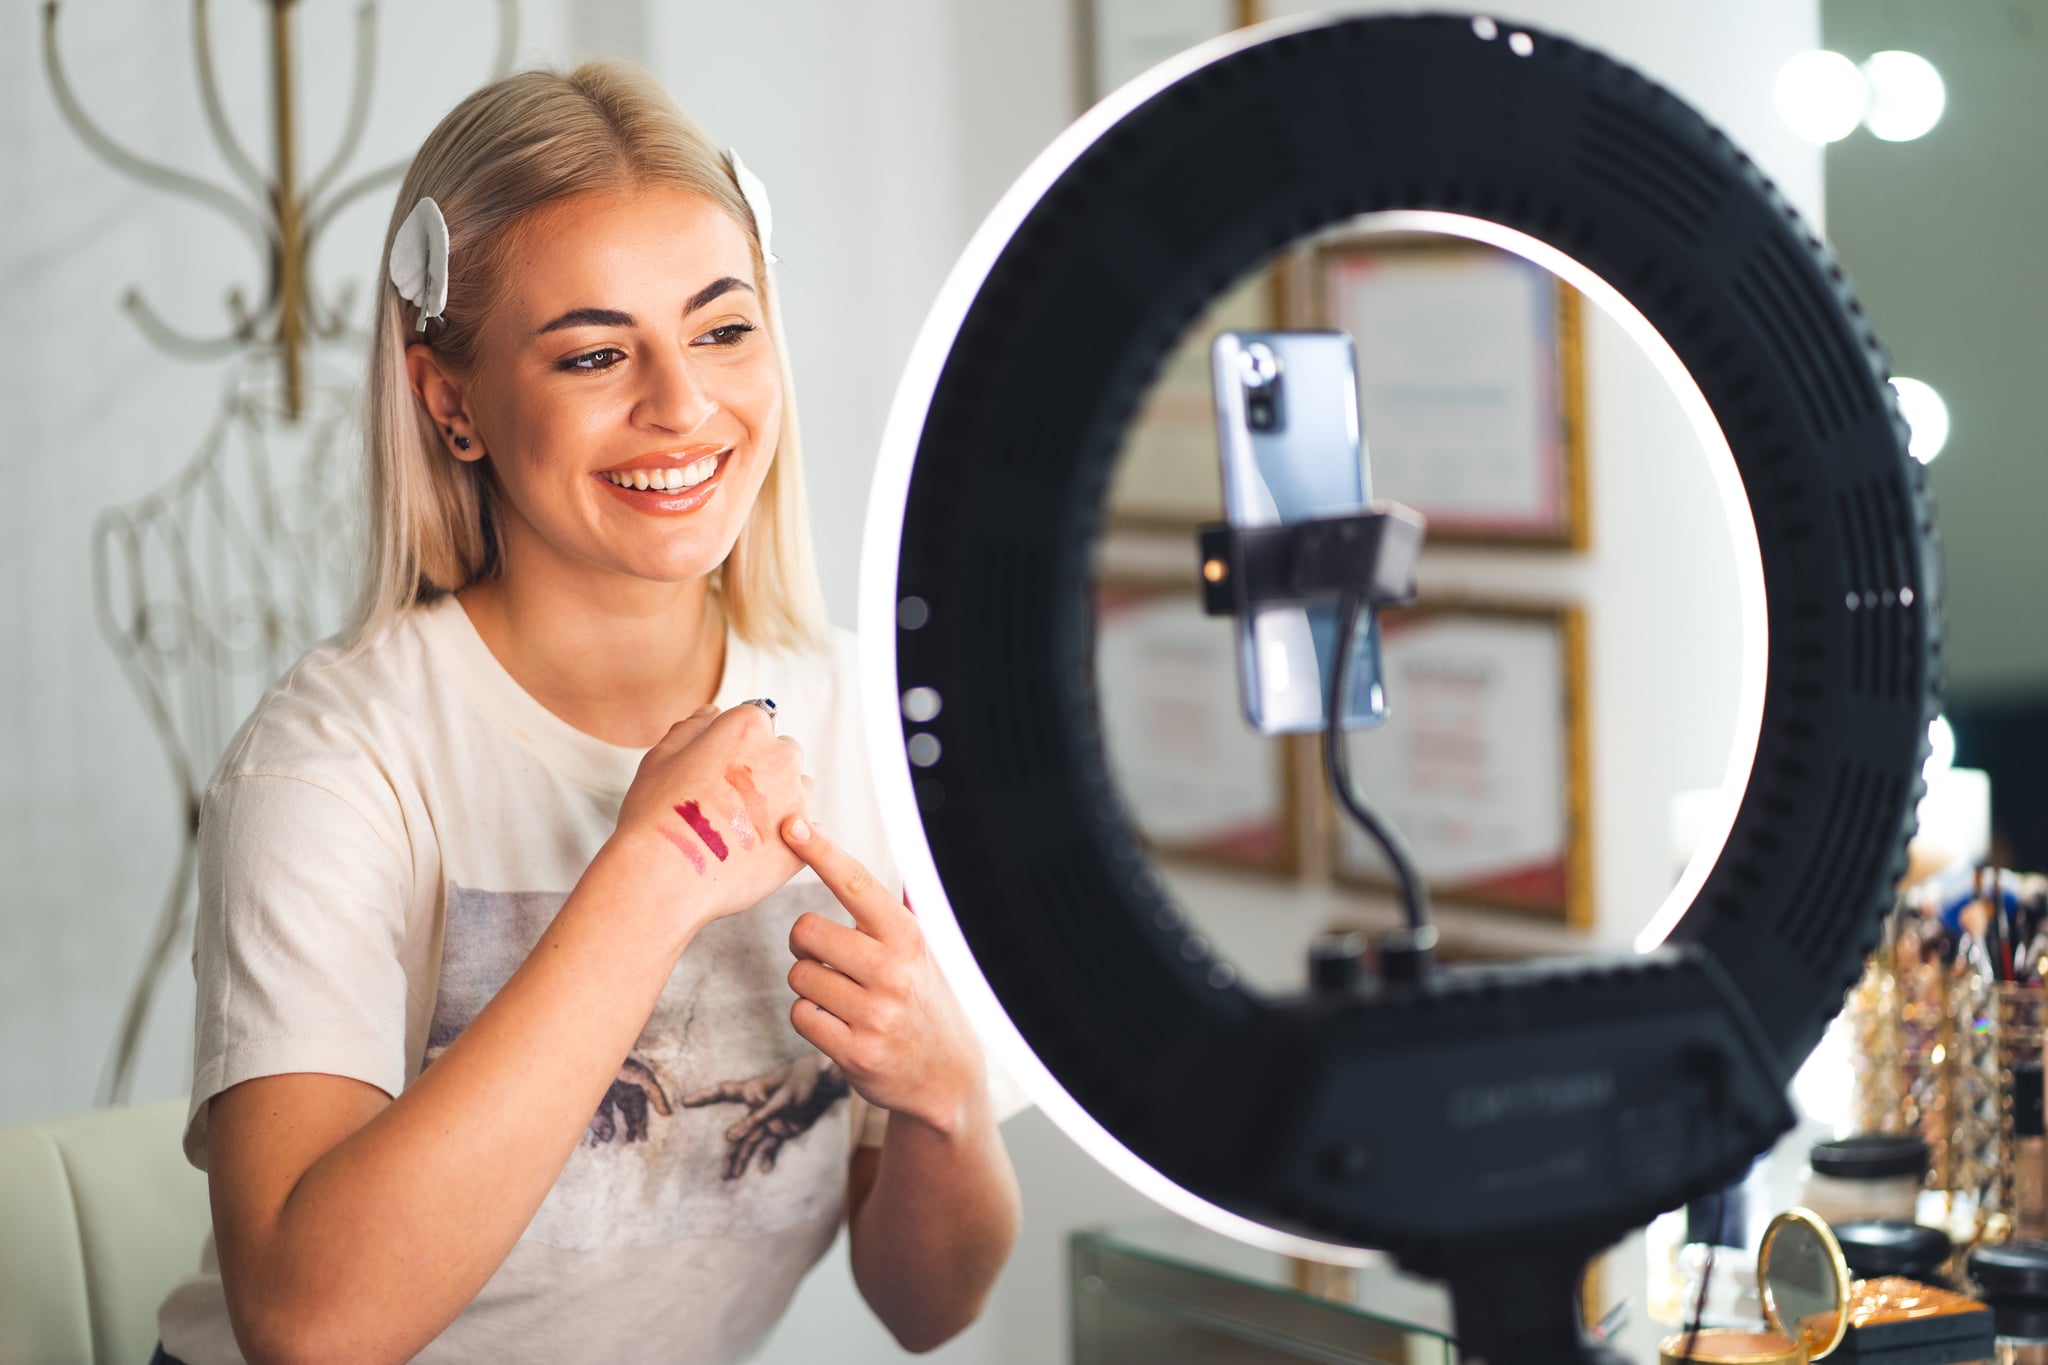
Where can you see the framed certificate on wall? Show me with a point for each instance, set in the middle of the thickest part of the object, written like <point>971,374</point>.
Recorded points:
<point>1483,763</point>
<point>1197,781</point>
<point>1168,474</point>
<point>1471,388</point>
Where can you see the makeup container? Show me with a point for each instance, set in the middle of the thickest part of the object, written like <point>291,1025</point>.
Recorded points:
<point>1891,1246</point>
<point>1804,1287</point>
<point>1726,1346</point>
<point>2029,1152</point>
<point>2013,1278</point>
<point>1859,1179</point>
<point>1816,1312</point>
<point>1897,1321</point>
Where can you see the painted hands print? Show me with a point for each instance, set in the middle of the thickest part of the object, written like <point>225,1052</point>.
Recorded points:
<point>635,1091</point>
<point>782,1104</point>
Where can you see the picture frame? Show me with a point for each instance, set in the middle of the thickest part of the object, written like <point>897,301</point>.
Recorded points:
<point>1168,476</point>
<point>1200,785</point>
<point>1471,382</point>
<point>1484,762</point>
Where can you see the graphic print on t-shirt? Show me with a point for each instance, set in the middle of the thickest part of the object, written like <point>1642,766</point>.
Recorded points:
<point>721,1120</point>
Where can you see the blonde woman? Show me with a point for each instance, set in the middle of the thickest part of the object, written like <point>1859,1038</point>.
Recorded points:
<point>539,1016</point>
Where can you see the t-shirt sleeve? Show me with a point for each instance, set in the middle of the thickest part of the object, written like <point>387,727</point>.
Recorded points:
<point>297,942</point>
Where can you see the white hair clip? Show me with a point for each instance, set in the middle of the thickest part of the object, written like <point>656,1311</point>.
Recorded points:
<point>419,260</point>
<point>756,195</point>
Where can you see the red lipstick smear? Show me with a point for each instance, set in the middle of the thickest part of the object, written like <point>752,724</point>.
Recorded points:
<point>693,816</point>
<point>689,849</point>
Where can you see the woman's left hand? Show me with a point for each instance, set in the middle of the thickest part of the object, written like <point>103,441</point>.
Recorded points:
<point>871,998</point>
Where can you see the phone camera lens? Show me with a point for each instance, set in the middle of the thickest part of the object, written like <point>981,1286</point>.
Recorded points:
<point>1259,365</point>
<point>1259,413</point>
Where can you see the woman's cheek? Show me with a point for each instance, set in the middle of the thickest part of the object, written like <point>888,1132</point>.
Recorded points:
<point>763,405</point>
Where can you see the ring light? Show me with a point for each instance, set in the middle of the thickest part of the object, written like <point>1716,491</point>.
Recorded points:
<point>1493,1126</point>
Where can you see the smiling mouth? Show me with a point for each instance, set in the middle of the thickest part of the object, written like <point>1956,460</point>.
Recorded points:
<point>667,478</point>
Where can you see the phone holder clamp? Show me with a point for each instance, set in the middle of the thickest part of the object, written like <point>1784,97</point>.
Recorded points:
<point>1311,562</point>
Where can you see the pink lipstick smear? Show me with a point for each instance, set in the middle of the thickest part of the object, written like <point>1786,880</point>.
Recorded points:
<point>743,830</point>
<point>693,816</point>
<point>689,849</point>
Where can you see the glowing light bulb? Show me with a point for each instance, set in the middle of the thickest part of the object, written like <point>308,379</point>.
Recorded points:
<point>1906,96</point>
<point>1926,413</point>
<point>1821,96</point>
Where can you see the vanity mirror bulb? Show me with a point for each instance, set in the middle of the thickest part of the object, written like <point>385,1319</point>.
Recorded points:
<point>1906,96</point>
<point>1926,413</point>
<point>1821,96</point>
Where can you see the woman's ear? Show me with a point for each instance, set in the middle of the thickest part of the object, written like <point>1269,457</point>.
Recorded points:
<point>440,392</point>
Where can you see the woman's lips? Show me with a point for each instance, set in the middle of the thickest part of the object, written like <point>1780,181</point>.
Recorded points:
<point>670,500</point>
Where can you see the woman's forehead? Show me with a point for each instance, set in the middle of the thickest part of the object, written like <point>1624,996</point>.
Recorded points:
<point>609,249</point>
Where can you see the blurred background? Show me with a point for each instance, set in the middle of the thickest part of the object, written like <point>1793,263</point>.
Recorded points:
<point>885,131</point>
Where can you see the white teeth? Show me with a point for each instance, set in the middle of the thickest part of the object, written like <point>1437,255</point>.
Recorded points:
<point>669,478</point>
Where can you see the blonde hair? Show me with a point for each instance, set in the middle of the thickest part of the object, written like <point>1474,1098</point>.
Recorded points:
<point>515,146</point>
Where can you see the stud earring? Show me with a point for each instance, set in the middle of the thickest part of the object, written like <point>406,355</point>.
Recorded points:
<point>462,443</point>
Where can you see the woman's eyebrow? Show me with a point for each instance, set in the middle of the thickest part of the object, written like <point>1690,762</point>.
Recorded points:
<point>611,317</point>
<point>588,317</point>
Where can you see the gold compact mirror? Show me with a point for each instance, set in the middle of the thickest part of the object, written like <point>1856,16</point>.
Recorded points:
<point>1804,1280</point>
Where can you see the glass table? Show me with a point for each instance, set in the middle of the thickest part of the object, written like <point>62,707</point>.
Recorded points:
<point>1164,1289</point>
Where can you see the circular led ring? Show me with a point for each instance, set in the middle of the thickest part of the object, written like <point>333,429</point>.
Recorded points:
<point>1034,889</point>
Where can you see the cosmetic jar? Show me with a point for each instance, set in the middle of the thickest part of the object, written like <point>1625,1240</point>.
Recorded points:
<point>1858,1179</point>
<point>2013,1279</point>
<point>1892,1246</point>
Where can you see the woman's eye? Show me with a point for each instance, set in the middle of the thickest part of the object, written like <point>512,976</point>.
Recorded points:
<point>596,360</point>
<point>731,334</point>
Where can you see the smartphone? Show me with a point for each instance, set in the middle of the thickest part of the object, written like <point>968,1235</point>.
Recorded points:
<point>1287,433</point>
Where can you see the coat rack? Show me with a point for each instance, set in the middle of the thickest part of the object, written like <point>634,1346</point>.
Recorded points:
<point>209,585</point>
<point>281,221</point>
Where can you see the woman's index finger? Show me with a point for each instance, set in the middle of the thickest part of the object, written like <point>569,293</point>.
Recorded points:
<point>874,908</point>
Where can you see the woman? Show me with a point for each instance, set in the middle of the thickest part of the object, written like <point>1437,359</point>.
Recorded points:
<point>538,1016</point>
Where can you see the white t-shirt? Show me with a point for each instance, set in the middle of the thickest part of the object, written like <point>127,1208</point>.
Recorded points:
<point>382,846</point>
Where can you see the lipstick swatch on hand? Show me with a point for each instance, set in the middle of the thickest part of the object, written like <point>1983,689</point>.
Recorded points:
<point>693,816</point>
<point>688,849</point>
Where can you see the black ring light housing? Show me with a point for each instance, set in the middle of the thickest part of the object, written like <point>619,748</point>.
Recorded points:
<point>1491,1126</point>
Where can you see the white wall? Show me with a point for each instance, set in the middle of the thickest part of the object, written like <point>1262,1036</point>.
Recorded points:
<point>884,131</point>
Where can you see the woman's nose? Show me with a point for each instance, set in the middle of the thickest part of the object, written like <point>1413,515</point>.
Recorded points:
<point>676,397</point>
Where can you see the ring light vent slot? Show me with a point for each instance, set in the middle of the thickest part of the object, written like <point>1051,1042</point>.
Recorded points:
<point>1783,301</point>
<point>1658,177</point>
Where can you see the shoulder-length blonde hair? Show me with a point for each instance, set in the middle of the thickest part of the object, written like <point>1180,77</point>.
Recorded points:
<point>518,144</point>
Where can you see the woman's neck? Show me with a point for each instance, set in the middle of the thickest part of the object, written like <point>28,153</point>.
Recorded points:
<point>621,662</point>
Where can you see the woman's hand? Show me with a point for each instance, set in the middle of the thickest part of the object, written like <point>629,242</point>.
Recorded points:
<point>871,998</point>
<point>695,813</point>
